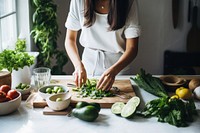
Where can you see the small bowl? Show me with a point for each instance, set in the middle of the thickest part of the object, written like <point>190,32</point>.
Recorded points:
<point>44,95</point>
<point>173,81</point>
<point>59,105</point>
<point>24,92</point>
<point>10,106</point>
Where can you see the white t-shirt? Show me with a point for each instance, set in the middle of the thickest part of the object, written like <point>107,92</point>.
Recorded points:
<point>98,36</point>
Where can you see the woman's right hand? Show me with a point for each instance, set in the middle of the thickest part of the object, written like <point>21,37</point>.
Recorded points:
<point>80,75</point>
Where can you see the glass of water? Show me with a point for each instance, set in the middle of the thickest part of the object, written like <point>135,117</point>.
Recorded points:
<point>42,76</point>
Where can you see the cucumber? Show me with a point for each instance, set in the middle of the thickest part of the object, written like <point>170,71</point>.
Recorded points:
<point>117,108</point>
<point>130,107</point>
<point>134,100</point>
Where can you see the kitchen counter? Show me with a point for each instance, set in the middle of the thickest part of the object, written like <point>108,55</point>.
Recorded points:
<point>32,120</point>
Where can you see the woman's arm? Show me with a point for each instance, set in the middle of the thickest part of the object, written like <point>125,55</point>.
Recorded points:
<point>108,77</point>
<point>80,75</point>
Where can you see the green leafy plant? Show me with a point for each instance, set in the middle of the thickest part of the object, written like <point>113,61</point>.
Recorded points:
<point>15,59</point>
<point>45,33</point>
<point>20,45</point>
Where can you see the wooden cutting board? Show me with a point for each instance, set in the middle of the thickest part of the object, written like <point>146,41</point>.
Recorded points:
<point>106,102</point>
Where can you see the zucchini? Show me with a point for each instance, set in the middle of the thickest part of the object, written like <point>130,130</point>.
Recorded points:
<point>117,108</point>
<point>130,108</point>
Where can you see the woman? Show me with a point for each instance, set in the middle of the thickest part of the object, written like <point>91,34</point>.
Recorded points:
<point>109,35</point>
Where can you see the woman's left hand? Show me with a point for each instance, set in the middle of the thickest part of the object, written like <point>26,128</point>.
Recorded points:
<point>106,80</point>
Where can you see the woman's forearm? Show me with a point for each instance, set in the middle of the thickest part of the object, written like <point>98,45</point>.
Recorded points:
<point>128,56</point>
<point>71,47</point>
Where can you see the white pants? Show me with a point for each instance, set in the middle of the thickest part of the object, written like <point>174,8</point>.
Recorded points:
<point>97,61</point>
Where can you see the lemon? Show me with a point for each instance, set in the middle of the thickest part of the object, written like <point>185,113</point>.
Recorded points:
<point>183,93</point>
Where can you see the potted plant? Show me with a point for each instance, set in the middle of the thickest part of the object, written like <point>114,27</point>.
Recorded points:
<point>18,63</point>
<point>45,33</point>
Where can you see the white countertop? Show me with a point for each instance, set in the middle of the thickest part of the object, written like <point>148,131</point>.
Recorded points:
<point>27,120</point>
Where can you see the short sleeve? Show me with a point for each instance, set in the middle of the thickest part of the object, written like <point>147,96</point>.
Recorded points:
<point>73,19</point>
<point>132,28</point>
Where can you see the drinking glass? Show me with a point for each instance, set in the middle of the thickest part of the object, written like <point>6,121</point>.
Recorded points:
<point>42,76</point>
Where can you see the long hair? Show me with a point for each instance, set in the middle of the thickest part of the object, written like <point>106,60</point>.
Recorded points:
<point>117,14</point>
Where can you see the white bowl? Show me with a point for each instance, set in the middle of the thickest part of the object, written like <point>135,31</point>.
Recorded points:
<point>59,105</point>
<point>24,92</point>
<point>44,95</point>
<point>10,106</point>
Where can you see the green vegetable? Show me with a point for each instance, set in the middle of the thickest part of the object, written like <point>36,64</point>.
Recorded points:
<point>174,111</point>
<point>13,60</point>
<point>54,90</point>
<point>83,104</point>
<point>117,108</point>
<point>129,109</point>
<point>87,113</point>
<point>149,83</point>
<point>89,90</point>
<point>22,86</point>
<point>58,99</point>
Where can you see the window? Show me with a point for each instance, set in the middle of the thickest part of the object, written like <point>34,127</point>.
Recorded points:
<point>8,24</point>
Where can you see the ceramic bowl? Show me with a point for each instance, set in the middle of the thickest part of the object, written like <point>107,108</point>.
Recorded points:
<point>59,105</point>
<point>26,91</point>
<point>172,80</point>
<point>10,106</point>
<point>44,95</point>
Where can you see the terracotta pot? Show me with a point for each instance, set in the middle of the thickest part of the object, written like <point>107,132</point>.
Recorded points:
<point>5,78</point>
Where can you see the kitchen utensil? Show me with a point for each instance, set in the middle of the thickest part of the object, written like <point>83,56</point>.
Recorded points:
<point>117,92</point>
<point>193,38</point>
<point>175,12</point>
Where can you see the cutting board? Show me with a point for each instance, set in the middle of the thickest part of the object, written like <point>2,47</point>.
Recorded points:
<point>106,102</point>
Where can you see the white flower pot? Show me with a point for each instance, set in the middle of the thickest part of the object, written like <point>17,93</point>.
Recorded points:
<point>21,76</point>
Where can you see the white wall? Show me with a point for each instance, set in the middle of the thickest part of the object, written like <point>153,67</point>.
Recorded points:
<point>157,36</point>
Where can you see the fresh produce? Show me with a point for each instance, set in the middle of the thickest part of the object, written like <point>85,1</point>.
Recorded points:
<point>197,92</point>
<point>12,94</point>
<point>117,108</point>
<point>58,99</point>
<point>6,94</point>
<point>126,110</point>
<point>85,112</point>
<point>193,84</point>
<point>183,93</point>
<point>54,90</point>
<point>173,111</point>
<point>5,88</point>
<point>149,83</point>
<point>83,104</point>
<point>2,96</point>
<point>129,109</point>
<point>22,86</point>
<point>89,90</point>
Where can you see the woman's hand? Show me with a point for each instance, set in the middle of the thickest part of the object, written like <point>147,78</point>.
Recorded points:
<point>106,80</point>
<point>80,75</point>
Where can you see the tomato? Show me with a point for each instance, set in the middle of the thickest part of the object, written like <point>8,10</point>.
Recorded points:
<point>2,96</point>
<point>12,94</point>
<point>5,88</point>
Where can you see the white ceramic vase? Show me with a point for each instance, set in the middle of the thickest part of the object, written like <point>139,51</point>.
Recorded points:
<point>23,75</point>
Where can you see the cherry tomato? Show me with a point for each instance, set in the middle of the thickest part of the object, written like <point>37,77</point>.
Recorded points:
<point>12,94</point>
<point>2,96</point>
<point>5,88</point>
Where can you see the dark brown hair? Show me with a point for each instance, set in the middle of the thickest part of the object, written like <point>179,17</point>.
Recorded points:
<point>117,14</point>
